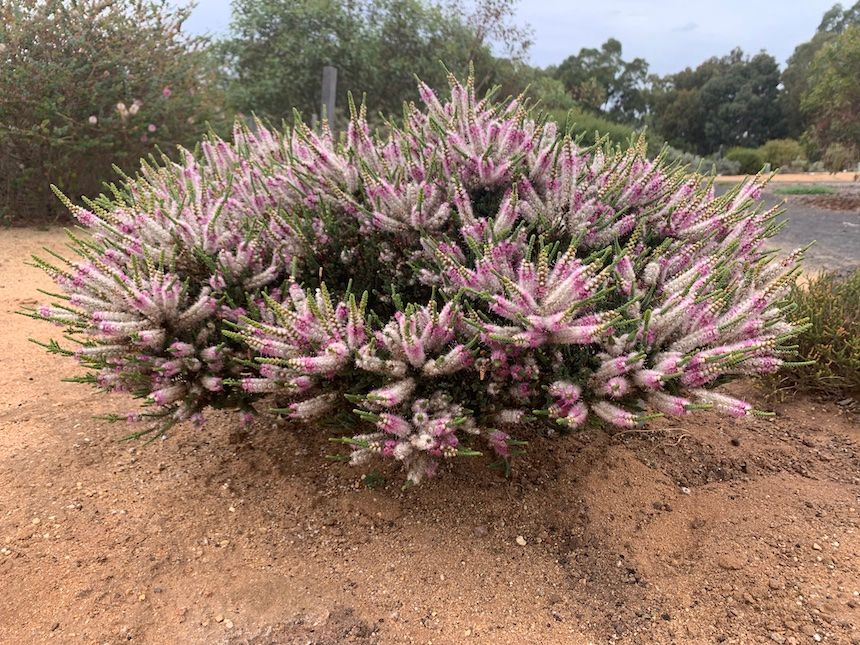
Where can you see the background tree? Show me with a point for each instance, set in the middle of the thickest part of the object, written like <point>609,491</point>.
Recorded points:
<point>676,109</point>
<point>831,104</point>
<point>728,101</point>
<point>795,78</point>
<point>489,23</point>
<point>278,48</point>
<point>601,80</point>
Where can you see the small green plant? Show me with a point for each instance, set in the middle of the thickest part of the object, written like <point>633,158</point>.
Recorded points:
<point>373,480</point>
<point>804,190</point>
<point>831,304</point>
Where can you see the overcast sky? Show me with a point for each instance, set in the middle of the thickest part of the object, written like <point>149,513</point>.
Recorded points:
<point>669,34</point>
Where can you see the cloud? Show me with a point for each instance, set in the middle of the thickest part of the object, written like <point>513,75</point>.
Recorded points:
<point>690,26</point>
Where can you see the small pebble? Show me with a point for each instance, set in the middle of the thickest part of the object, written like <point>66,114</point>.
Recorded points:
<point>228,624</point>
<point>219,618</point>
<point>816,546</point>
<point>521,540</point>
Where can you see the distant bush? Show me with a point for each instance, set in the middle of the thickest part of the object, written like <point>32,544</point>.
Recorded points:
<point>591,127</point>
<point>839,157</point>
<point>831,304</point>
<point>801,164</point>
<point>750,159</point>
<point>551,94</point>
<point>804,190</point>
<point>707,165</point>
<point>86,84</point>
<point>781,153</point>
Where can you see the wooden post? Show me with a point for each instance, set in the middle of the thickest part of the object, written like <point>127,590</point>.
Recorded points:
<point>329,90</point>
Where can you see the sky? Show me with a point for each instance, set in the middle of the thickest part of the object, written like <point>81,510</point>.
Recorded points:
<point>669,34</point>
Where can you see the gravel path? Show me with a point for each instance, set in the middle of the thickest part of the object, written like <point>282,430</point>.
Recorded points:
<point>836,233</point>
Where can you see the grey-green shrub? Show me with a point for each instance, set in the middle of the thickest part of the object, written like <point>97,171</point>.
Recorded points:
<point>750,159</point>
<point>781,153</point>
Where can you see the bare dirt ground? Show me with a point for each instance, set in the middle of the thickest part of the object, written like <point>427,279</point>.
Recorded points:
<point>709,531</point>
<point>802,178</point>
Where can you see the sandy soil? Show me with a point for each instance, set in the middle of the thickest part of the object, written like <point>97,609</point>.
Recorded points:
<point>702,532</point>
<point>802,178</point>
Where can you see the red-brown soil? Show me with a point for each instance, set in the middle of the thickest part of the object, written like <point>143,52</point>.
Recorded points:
<point>840,202</point>
<point>705,531</point>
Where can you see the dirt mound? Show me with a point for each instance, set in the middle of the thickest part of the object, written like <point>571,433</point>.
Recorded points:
<point>708,531</point>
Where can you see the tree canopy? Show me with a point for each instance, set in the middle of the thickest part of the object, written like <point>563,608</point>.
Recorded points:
<point>727,101</point>
<point>832,101</point>
<point>279,47</point>
<point>601,80</point>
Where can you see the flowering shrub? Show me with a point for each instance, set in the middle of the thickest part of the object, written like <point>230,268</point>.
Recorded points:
<point>471,275</point>
<point>85,84</point>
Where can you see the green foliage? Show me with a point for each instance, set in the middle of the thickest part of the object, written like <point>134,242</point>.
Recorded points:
<point>600,79</point>
<point>831,303</point>
<point>728,101</point>
<point>832,102</point>
<point>591,127</point>
<point>750,159</point>
<point>838,157</point>
<point>550,94</point>
<point>704,165</point>
<point>795,78</point>
<point>279,47</point>
<point>781,153</point>
<point>86,84</point>
<point>810,189</point>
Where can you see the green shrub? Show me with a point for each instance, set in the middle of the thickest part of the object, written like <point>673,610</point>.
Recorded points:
<point>85,84</point>
<point>801,164</point>
<point>592,126</point>
<point>831,303</point>
<point>750,159</point>
<point>781,153</point>
<point>839,157</point>
<point>551,94</point>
